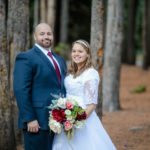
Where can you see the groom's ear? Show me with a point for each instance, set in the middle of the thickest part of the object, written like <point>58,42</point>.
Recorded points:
<point>34,37</point>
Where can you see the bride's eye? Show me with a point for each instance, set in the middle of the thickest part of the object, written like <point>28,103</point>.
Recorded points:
<point>73,51</point>
<point>80,51</point>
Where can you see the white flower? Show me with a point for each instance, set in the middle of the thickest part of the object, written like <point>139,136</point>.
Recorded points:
<point>61,102</point>
<point>67,112</point>
<point>75,102</point>
<point>69,117</point>
<point>72,100</point>
<point>79,124</point>
<point>55,126</point>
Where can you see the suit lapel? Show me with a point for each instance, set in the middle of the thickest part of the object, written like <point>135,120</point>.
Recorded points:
<point>46,61</point>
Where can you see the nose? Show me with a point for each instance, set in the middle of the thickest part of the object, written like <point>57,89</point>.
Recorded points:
<point>46,36</point>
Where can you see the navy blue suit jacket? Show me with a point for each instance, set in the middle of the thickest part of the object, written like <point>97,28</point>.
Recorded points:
<point>34,80</point>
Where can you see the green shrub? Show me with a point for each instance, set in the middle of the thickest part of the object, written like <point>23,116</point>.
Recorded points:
<point>139,89</point>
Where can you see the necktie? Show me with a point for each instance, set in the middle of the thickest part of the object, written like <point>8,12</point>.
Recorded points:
<point>56,66</point>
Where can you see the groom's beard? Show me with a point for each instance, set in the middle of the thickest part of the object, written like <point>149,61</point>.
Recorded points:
<point>46,43</point>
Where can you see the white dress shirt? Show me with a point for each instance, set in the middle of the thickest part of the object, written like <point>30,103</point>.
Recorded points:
<point>45,51</point>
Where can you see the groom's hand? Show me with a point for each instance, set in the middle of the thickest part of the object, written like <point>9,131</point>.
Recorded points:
<point>33,126</point>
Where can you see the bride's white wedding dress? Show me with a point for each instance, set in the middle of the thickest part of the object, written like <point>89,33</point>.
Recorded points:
<point>93,136</point>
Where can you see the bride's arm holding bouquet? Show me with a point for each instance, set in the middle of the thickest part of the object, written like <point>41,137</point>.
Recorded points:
<point>91,91</point>
<point>90,108</point>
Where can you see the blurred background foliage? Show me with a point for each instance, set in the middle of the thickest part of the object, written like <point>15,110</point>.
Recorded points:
<point>70,20</point>
<point>79,25</point>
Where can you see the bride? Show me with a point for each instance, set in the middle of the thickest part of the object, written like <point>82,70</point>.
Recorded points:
<point>82,83</point>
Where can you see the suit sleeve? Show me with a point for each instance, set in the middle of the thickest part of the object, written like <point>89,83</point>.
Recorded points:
<point>23,86</point>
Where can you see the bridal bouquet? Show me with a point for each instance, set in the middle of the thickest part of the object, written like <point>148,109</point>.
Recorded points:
<point>67,115</point>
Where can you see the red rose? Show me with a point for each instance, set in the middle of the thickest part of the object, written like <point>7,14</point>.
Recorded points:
<point>58,115</point>
<point>81,116</point>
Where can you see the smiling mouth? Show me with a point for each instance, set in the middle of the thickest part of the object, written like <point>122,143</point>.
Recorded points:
<point>76,57</point>
<point>47,41</point>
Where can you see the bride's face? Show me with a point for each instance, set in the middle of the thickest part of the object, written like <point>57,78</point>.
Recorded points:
<point>78,54</point>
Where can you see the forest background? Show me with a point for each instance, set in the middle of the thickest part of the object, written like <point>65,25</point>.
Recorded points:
<point>117,30</point>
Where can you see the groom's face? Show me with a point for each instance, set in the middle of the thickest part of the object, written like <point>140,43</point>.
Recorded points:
<point>44,36</point>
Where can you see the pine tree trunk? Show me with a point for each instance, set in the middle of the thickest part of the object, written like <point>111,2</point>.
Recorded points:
<point>18,41</point>
<point>125,34</point>
<point>112,55</point>
<point>43,11</point>
<point>36,12</point>
<point>64,21</point>
<point>7,137</point>
<point>131,50</point>
<point>51,13</point>
<point>146,34</point>
<point>97,41</point>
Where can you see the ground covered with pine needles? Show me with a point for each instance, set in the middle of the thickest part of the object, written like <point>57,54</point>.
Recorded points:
<point>129,128</point>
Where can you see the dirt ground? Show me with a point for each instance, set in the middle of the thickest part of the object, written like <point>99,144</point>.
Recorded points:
<point>129,128</point>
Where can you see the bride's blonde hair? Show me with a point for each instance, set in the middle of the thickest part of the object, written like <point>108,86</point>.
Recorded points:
<point>73,68</point>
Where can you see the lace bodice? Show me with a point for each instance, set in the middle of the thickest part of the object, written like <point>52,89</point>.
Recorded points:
<point>83,88</point>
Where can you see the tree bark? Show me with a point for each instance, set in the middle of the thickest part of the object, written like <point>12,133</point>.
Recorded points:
<point>97,42</point>
<point>64,21</point>
<point>51,13</point>
<point>36,12</point>
<point>131,50</point>
<point>17,41</point>
<point>146,34</point>
<point>43,11</point>
<point>7,137</point>
<point>112,55</point>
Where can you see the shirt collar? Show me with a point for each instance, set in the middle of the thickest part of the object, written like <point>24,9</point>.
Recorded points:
<point>45,51</point>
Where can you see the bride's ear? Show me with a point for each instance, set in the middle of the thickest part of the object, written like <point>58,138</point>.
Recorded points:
<point>88,56</point>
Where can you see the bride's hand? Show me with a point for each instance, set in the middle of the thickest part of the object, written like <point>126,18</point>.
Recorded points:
<point>90,109</point>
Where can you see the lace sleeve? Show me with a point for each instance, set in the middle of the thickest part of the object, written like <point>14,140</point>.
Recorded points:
<point>91,91</point>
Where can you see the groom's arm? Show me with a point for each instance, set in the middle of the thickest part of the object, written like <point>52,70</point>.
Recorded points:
<point>22,87</point>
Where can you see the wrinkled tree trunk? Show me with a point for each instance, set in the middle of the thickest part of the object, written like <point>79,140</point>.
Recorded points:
<point>112,55</point>
<point>131,50</point>
<point>97,42</point>
<point>7,137</point>
<point>36,12</point>
<point>18,41</point>
<point>51,13</point>
<point>43,11</point>
<point>146,34</point>
<point>64,21</point>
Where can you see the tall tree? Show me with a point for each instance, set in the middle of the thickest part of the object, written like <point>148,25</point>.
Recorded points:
<point>112,55</point>
<point>64,21</point>
<point>17,41</point>
<point>36,12</point>
<point>130,48</point>
<point>146,34</point>
<point>51,12</point>
<point>97,42</point>
<point>43,10</point>
<point>7,138</point>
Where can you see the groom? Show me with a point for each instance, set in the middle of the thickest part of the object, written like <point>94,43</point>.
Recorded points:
<point>38,74</point>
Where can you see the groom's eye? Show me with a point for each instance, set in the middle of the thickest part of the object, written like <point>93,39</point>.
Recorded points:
<point>42,33</point>
<point>49,33</point>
